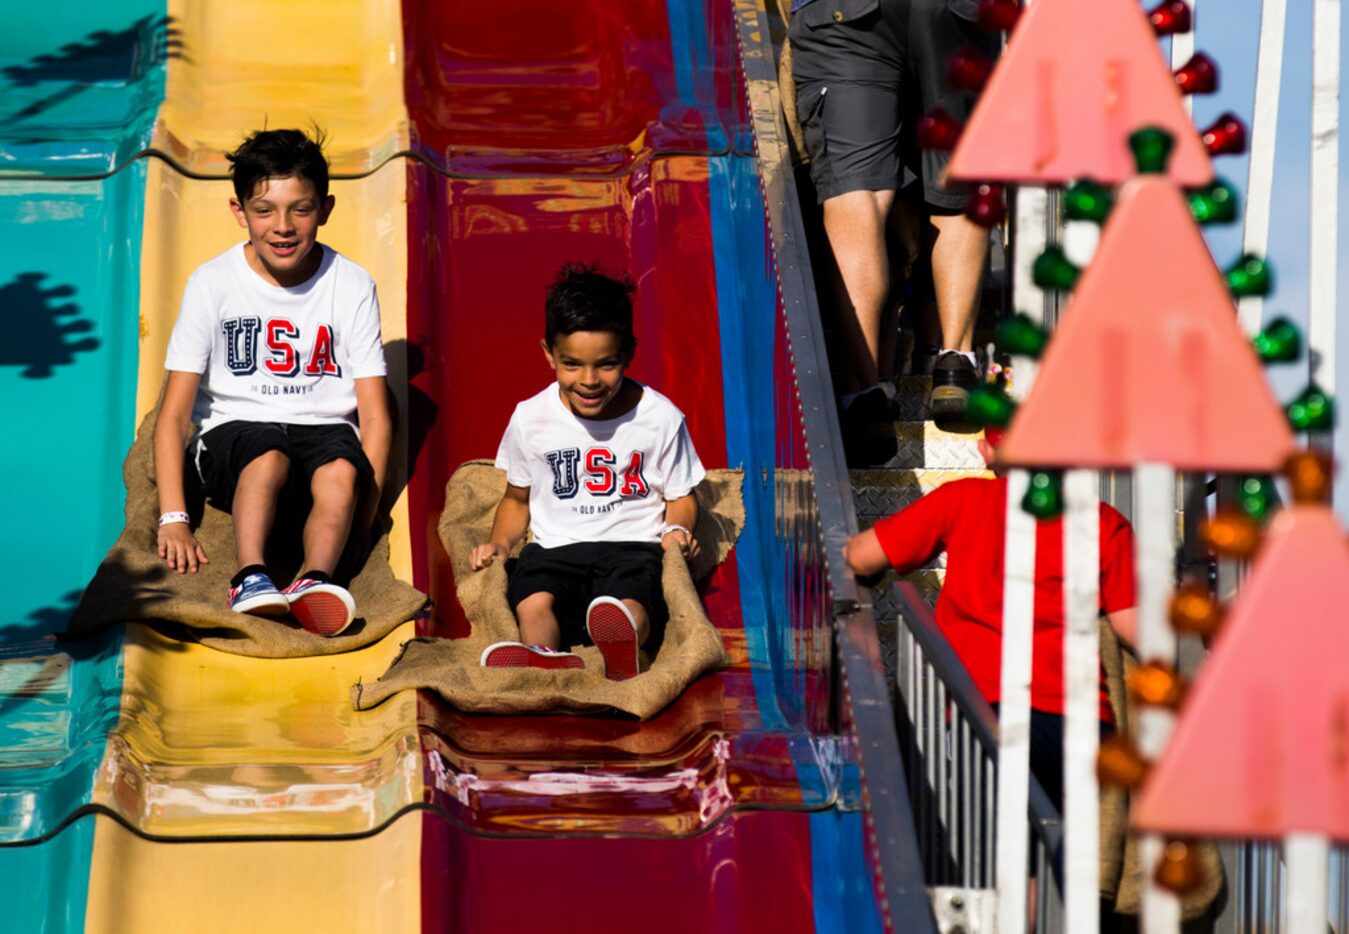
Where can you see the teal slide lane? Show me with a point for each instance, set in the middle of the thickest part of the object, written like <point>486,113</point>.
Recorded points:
<point>45,886</point>
<point>82,81</point>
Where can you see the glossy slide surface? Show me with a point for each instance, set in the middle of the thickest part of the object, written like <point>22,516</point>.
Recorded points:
<point>149,782</point>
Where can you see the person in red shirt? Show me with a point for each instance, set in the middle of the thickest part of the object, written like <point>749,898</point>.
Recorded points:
<point>968,520</point>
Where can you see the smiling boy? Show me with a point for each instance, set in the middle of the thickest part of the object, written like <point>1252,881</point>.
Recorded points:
<point>277,356</point>
<point>601,469</point>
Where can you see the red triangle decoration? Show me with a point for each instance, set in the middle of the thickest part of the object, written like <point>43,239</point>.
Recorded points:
<point>1261,748</point>
<point>1077,77</point>
<point>1149,363</point>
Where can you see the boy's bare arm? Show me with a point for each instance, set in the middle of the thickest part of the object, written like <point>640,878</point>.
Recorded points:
<point>508,527</point>
<point>177,545</point>
<point>1125,624</point>
<point>372,410</point>
<point>681,512</point>
<point>865,555</point>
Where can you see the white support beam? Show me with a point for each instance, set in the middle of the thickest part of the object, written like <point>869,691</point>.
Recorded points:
<point>1081,672</point>
<point>1018,601</point>
<point>1018,623</point>
<point>1182,49</point>
<point>1324,189</point>
<point>1264,128</point>
<point>1307,857</point>
<point>1155,551</point>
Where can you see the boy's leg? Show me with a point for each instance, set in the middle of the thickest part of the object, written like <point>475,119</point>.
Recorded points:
<point>538,622</point>
<point>338,473</point>
<point>627,581</point>
<point>333,490</point>
<point>254,507</point>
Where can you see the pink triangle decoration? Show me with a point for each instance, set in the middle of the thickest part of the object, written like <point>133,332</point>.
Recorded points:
<point>1149,363</point>
<point>1077,77</point>
<point>1261,748</point>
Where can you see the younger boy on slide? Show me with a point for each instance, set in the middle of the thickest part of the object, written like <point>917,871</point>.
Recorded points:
<point>602,470</point>
<point>277,356</point>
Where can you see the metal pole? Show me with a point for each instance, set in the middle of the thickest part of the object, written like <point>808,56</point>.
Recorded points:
<point>1324,195</point>
<point>1154,489</point>
<point>1018,622</point>
<point>1307,856</point>
<point>1018,601</point>
<point>1264,126</point>
<point>1081,672</point>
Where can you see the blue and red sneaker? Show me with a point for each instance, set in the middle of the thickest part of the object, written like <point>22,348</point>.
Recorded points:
<point>519,655</point>
<point>614,632</point>
<point>321,607</point>
<point>257,594</point>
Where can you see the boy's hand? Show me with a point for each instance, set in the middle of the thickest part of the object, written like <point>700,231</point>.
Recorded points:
<point>180,548</point>
<point>681,540</point>
<point>484,555</point>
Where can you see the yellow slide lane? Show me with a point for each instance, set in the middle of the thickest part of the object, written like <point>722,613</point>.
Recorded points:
<point>217,745</point>
<point>248,64</point>
<point>212,744</point>
<point>332,886</point>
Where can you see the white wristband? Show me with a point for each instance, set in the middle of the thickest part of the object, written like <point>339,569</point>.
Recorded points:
<point>169,518</point>
<point>675,528</point>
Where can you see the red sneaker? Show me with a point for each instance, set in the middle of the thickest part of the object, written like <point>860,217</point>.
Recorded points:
<point>321,608</point>
<point>519,655</point>
<point>614,633</point>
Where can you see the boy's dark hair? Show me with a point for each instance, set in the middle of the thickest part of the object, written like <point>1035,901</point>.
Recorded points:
<point>279,154</point>
<point>582,298</point>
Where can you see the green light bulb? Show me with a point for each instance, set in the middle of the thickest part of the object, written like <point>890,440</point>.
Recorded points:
<point>1281,342</point>
<point>1313,410</point>
<point>1044,496</point>
<point>1054,270</point>
<point>1020,335</point>
<point>1250,275</point>
<point>1257,498</point>
<point>1152,149</point>
<point>1087,201</point>
<point>1216,204</point>
<point>989,406</point>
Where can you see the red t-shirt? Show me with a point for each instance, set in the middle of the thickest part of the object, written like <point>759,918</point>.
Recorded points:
<point>968,519</point>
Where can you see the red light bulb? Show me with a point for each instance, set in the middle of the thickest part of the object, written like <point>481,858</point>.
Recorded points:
<point>998,15</point>
<point>939,130</point>
<point>1226,137</point>
<point>1198,76</point>
<point>1170,17</point>
<point>985,206</point>
<point>968,70</point>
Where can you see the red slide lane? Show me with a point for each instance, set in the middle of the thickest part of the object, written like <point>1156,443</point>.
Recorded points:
<point>535,104</point>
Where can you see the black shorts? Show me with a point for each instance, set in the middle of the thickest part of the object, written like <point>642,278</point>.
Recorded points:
<point>865,72</point>
<point>222,453</point>
<point>577,574</point>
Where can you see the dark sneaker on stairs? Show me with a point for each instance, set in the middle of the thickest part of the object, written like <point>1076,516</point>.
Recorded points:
<point>953,376</point>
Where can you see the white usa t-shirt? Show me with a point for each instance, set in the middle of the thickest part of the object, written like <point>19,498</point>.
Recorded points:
<point>273,354</point>
<point>593,480</point>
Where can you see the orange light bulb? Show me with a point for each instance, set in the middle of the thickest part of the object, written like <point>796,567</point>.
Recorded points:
<point>1119,763</point>
<point>1310,474</point>
<point>1231,534</point>
<point>1179,869</point>
<point>1194,611</point>
<point>1156,684</point>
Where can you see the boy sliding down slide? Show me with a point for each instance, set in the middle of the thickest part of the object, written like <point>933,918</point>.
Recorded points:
<point>277,355</point>
<point>602,470</point>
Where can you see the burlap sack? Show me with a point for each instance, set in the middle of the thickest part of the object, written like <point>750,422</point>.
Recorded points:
<point>133,584</point>
<point>450,667</point>
<point>1121,869</point>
